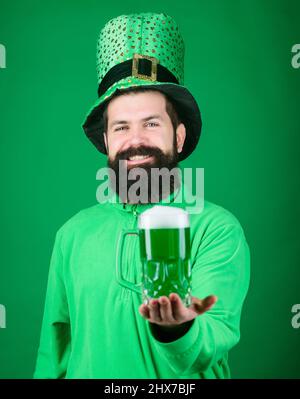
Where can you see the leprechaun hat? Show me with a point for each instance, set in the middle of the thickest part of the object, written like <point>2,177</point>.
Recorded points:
<point>146,50</point>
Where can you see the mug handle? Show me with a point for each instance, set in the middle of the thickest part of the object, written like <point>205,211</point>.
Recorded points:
<point>119,273</point>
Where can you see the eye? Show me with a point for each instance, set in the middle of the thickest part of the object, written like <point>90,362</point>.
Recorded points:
<point>119,128</point>
<point>152,123</point>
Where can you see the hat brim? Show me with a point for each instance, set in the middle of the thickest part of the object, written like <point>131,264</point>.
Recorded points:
<point>185,104</point>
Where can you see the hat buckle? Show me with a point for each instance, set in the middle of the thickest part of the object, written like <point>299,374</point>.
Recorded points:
<point>135,67</point>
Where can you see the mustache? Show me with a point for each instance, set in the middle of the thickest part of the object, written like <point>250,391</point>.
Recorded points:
<point>143,150</point>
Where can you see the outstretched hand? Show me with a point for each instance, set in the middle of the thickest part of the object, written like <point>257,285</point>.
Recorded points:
<point>172,312</point>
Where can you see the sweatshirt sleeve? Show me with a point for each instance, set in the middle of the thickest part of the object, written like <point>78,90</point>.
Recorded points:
<point>221,267</point>
<point>55,342</point>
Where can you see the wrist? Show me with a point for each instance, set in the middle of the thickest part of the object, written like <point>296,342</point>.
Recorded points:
<point>170,333</point>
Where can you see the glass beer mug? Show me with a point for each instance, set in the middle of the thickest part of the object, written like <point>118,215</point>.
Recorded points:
<point>164,238</point>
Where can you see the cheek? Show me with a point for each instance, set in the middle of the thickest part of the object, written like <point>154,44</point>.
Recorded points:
<point>161,140</point>
<point>114,145</point>
<point>167,141</point>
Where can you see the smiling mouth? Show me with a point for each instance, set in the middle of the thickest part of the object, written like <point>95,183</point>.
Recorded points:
<point>137,159</point>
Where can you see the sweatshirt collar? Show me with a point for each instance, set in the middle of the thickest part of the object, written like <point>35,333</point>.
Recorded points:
<point>176,199</point>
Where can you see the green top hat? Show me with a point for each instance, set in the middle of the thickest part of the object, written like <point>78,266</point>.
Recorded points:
<point>146,50</point>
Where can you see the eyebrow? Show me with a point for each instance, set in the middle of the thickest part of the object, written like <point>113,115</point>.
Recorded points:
<point>144,120</point>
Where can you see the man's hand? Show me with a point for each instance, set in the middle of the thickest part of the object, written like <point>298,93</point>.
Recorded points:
<point>171,312</point>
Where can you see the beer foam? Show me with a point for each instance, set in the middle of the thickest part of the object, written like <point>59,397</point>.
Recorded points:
<point>160,216</point>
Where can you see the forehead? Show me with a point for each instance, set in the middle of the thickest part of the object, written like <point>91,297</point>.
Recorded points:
<point>137,104</point>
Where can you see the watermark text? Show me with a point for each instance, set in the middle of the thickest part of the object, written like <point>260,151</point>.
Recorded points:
<point>296,318</point>
<point>295,61</point>
<point>2,316</point>
<point>2,56</point>
<point>147,188</point>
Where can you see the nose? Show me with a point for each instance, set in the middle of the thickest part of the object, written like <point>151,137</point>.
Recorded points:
<point>136,137</point>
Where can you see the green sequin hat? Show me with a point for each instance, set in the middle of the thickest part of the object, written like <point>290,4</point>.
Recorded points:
<point>146,50</point>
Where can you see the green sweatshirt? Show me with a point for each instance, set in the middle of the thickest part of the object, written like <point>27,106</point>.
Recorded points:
<point>92,327</point>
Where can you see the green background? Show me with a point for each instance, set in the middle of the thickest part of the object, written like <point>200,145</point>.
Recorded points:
<point>238,66</point>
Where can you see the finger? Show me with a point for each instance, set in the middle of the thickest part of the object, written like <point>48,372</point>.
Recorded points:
<point>178,308</point>
<point>154,311</point>
<point>166,310</point>
<point>209,301</point>
<point>144,311</point>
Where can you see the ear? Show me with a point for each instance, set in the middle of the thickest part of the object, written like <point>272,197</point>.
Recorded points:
<point>105,141</point>
<point>180,136</point>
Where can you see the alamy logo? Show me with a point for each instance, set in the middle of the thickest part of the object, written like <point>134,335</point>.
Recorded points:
<point>2,56</point>
<point>146,188</point>
<point>296,317</point>
<point>2,316</point>
<point>296,57</point>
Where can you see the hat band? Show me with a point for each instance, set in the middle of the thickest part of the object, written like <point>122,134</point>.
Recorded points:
<point>125,69</point>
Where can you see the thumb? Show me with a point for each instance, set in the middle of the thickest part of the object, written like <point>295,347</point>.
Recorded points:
<point>202,305</point>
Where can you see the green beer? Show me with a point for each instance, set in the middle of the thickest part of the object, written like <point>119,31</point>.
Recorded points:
<point>164,234</point>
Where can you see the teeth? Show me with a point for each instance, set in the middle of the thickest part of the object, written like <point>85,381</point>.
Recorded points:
<point>138,157</point>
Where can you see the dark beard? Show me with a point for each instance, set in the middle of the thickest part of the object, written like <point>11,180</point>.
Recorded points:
<point>152,192</point>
